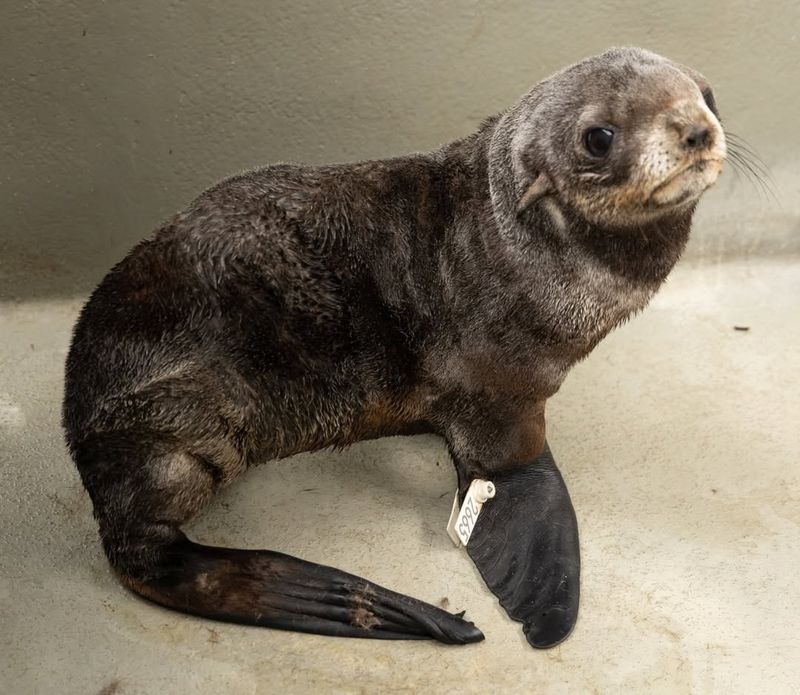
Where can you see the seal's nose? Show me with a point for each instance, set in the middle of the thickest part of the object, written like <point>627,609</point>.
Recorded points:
<point>696,137</point>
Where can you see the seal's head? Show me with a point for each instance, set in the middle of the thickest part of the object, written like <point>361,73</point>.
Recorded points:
<point>619,139</point>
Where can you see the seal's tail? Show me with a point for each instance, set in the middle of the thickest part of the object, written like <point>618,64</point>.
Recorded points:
<point>270,589</point>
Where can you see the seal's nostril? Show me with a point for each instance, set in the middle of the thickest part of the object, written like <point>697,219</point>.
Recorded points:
<point>697,137</point>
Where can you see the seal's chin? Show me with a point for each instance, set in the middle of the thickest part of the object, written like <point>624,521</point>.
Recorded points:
<point>686,185</point>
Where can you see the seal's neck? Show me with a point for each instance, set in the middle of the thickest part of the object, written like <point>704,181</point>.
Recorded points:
<point>643,255</point>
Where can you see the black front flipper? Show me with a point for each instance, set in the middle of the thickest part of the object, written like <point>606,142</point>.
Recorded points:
<point>525,545</point>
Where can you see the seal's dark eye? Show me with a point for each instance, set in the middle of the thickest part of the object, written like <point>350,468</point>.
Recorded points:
<point>598,141</point>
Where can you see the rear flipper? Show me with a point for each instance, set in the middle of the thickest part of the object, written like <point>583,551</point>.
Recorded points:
<point>265,588</point>
<point>525,545</point>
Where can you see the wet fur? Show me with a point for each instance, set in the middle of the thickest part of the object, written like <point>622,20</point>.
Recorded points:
<point>295,307</point>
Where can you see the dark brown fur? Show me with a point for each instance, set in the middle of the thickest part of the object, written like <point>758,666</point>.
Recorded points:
<point>294,308</point>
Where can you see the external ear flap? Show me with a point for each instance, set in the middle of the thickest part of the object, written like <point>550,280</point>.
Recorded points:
<point>540,187</point>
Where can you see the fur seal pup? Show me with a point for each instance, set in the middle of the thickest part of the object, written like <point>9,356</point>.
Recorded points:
<point>299,307</point>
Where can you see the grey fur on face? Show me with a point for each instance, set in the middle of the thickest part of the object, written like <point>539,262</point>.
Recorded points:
<point>648,101</point>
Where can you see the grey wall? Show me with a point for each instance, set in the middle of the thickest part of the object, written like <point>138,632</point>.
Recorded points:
<point>115,114</point>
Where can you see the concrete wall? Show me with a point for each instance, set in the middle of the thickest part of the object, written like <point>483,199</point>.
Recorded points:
<point>115,114</point>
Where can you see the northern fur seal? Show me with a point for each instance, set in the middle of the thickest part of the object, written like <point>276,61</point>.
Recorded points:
<point>296,307</point>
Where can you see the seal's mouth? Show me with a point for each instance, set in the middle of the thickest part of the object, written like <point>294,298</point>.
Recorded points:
<point>685,185</point>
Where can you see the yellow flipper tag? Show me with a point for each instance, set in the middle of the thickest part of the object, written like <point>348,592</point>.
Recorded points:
<point>462,521</point>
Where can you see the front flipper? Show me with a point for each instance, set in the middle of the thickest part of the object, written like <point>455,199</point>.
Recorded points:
<point>525,545</point>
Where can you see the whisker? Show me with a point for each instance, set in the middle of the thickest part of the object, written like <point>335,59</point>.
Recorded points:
<point>742,161</point>
<point>741,145</point>
<point>754,163</point>
<point>752,175</point>
<point>745,160</point>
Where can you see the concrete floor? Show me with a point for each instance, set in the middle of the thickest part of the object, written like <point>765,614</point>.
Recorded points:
<point>679,440</point>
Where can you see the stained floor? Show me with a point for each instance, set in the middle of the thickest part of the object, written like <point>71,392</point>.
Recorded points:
<point>679,439</point>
